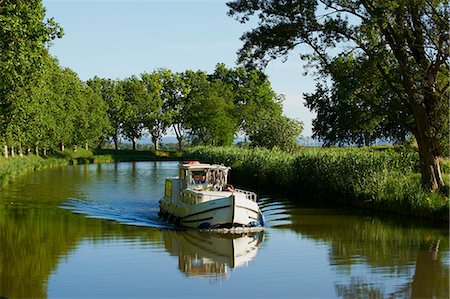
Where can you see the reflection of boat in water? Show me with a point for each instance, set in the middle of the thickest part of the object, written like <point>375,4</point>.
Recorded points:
<point>201,198</point>
<point>211,255</point>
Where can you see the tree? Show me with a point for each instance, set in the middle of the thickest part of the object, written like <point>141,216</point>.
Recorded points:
<point>135,95</point>
<point>175,92</point>
<point>358,107</point>
<point>156,118</point>
<point>24,36</point>
<point>252,94</point>
<point>280,132</point>
<point>406,42</point>
<point>112,95</point>
<point>210,113</point>
<point>92,120</point>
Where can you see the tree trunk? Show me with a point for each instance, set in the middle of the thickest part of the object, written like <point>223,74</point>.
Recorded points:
<point>155,142</point>
<point>5,151</point>
<point>61,146</point>
<point>28,151</point>
<point>12,151</point>
<point>44,152</point>
<point>36,150</point>
<point>180,143</point>
<point>116,142</point>
<point>86,146</point>
<point>429,161</point>
<point>134,140</point>
<point>19,151</point>
<point>179,136</point>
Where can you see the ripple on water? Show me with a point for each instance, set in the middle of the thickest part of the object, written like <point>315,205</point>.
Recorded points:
<point>137,215</point>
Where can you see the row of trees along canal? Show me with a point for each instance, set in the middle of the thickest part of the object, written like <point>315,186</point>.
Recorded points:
<point>45,106</point>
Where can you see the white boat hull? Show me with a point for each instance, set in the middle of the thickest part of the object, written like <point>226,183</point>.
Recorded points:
<point>231,211</point>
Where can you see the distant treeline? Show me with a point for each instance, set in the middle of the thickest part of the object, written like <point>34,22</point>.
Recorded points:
<point>57,109</point>
<point>198,107</point>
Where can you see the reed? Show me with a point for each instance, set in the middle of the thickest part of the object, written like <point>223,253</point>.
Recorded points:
<point>373,178</point>
<point>14,166</point>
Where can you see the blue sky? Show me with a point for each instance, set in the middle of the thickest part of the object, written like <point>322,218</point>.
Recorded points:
<point>116,39</point>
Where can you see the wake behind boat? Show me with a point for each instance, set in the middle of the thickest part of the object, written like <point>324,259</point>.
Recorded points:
<point>201,198</point>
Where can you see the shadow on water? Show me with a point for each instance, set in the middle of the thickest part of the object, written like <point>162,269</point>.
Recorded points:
<point>367,256</point>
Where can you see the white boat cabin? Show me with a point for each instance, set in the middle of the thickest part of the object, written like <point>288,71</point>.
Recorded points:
<point>201,182</point>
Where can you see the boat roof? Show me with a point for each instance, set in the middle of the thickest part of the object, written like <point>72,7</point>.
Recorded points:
<point>204,166</point>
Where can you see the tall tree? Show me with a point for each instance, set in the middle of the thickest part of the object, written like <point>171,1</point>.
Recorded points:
<point>407,42</point>
<point>252,93</point>
<point>135,95</point>
<point>111,93</point>
<point>92,120</point>
<point>24,36</point>
<point>210,115</point>
<point>156,119</point>
<point>175,92</point>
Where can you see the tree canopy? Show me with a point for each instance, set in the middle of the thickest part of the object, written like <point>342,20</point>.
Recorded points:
<point>44,105</point>
<point>404,42</point>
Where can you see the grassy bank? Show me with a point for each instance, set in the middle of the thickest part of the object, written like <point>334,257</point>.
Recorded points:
<point>13,166</point>
<point>371,178</point>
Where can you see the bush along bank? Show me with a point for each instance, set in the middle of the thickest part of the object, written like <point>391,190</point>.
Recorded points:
<point>370,178</point>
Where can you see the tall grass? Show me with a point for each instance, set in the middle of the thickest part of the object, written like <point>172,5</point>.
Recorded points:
<point>14,166</point>
<point>381,179</point>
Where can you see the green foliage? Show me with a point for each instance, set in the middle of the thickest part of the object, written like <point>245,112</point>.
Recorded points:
<point>24,36</point>
<point>275,132</point>
<point>369,178</point>
<point>253,94</point>
<point>403,44</point>
<point>209,115</point>
<point>350,112</point>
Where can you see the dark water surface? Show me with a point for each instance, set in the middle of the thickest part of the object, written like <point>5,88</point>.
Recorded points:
<point>92,231</point>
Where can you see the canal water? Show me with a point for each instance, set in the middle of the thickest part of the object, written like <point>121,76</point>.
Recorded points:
<point>92,231</point>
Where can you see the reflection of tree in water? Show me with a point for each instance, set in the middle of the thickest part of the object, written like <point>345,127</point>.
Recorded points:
<point>34,240</point>
<point>35,234</point>
<point>392,246</point>
<point>431,277</point>
<point>358,288</point>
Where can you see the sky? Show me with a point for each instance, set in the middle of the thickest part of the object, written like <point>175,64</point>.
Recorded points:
<point>119,38</point>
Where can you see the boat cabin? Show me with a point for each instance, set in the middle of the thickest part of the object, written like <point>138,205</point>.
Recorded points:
<point>206,177</point>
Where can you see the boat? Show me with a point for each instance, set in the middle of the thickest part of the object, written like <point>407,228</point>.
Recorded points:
<point>200,197</point>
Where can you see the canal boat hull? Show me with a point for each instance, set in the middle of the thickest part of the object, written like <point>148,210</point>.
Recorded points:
<point>232,210</point>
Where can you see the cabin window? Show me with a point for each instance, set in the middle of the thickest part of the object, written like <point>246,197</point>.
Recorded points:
<point>198,176</point>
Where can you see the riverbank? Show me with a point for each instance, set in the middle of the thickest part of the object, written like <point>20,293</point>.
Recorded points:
<point>381,179</point>
<point>13,166</point>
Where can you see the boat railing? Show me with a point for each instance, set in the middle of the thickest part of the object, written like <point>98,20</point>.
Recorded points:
<point>250,195</point>
<point>196,198</point>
